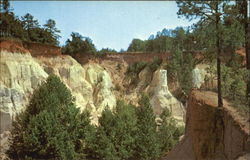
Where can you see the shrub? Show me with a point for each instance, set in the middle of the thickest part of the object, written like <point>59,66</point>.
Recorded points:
<point>155,64</point>
<point>168,133</point>
<point>234,85</point>
<point>136,68</point>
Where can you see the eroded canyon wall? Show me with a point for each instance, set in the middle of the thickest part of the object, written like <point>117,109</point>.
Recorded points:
<point>212,133</point>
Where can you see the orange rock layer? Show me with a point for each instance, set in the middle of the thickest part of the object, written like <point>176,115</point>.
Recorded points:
<point>211,133</point>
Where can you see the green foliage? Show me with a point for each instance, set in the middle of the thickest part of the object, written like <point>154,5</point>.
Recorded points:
<point>130,132</point>
<point>51,127</point>
<point>104,51</point>
<point>234,85</point>
<point>78,45</point>
<point>136,68</point>
<point>162,42</point>
<point>133,71</point>
<point>52,32</point>
<point>11,26</point>
<point>115,136</point>
<point>230,31</point>
<point>148,146</point>
<point>153,66</point>
<point>28,29</point>
<point>136,45</point>
<point>180,68</point>
<point>168,132</point>
<point>234,80</point>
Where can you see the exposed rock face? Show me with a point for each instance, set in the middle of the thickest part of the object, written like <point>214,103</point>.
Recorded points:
<point>91,84</point>
<point>72,74</point>
<point>212,133</point>
<point>100,80</point>
<point>11,102</point>
<point>4,144</point>
<point>145,78</point>
<point>202,78</point>
<point>35,49</point>
<point>182,151</point>
<point>198,76</point>
<point>162,98</point>
<point>21,74</point>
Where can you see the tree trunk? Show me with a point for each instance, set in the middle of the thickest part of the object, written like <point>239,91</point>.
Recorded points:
<point>220,102</point>
<point>247,46</point>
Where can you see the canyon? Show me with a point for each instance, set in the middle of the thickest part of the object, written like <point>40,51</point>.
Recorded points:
<point>96,83</point>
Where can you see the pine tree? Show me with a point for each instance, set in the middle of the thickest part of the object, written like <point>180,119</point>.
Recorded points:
<point>147,146</point>
<point>51,127</point>
<point>136,45</point>
<point>4,6</point>
<point>168,132</point>
<point>52,36</point>
<point>30,24</point>
<point>78,45</point>
<point>115,136</point>
<point>212,12</point>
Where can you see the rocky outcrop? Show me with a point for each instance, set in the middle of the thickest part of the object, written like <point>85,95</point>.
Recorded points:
<point>21,74</point>
<point>72,74</point>
<point>101,82</point>
<point>4,145</point>
<point>202,78</point>
<point>12,101</point>
<point>90,84</point>
<point>162,98</point>
<point>198,77</point>
<point>212,133</point>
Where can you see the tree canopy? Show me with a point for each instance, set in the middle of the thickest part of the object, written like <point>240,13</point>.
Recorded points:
<point>51,127</point>
<point>78,45</point>
<point>26,28</point>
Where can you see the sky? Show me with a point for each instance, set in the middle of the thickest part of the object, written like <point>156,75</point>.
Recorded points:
<point>110,24</point>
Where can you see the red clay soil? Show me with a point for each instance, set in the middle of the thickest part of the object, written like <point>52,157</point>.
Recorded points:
<point>212,133</point>
<point>35,49</point>
<point>12,46</point>
<point>128,57</point>
<point>42,49</point>
<point>241,52</point>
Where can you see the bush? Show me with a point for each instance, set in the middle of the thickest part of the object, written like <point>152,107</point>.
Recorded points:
<point>234,85</point>
<point>155,64</point>
<point>51,126</point>
<point>136,68</point>
<point>168,132</point>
